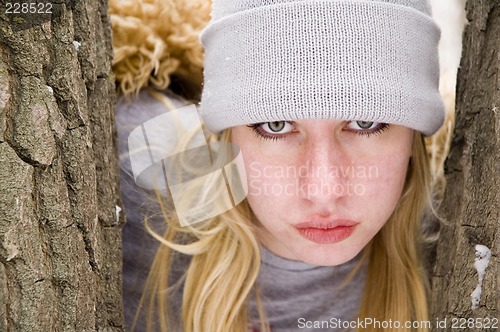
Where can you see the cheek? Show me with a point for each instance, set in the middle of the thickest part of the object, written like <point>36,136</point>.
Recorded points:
<point>392,180</point>
<point>383,188</point>
<point>260,198</point>
<point>269,193</point>
<point>265,185</point>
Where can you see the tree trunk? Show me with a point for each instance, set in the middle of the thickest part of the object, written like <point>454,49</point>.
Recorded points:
<point>471,204</point>
<point>60,247</point>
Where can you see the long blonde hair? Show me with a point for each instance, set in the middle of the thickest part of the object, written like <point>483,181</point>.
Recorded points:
<point>226,260</point>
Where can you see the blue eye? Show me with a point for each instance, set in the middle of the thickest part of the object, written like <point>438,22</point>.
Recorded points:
<point>364,124</point>
<point>366,128</point>
<point>277,127</point>
<point>272,130</point>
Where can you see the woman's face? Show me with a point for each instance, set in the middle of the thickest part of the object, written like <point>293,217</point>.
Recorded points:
<point>321,189</point>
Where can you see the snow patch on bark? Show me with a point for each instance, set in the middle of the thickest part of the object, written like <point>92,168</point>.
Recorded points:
<point>483,255</point>
<point>10,245</point>
<point>118,210</point>
<point>76,45</point>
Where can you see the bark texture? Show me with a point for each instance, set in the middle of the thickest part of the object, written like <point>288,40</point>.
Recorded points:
<point>471,204</point>
<point>60,247</point>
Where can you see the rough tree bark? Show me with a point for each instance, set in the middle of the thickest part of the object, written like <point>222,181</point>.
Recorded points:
<point>471,204</point>
<point>60,249</point>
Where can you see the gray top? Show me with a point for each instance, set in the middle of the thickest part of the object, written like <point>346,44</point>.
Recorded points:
<point>295,294</point>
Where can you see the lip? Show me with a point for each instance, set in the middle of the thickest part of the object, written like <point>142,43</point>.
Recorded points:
<point>328,231</point>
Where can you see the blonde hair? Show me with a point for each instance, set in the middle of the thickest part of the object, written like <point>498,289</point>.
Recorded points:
<point>157,40</point>
<point>225,252</point>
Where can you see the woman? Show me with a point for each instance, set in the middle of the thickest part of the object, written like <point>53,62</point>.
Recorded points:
<point>328,102</point>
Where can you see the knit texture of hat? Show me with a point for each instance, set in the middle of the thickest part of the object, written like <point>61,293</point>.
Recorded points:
<point>363,60</point>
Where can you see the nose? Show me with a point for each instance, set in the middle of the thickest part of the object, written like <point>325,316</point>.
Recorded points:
<point>326,169</point>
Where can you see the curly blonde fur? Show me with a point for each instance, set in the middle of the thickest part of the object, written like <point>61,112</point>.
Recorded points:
<point>154,40</point>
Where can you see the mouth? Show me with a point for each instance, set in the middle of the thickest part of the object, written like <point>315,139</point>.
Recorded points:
<point>326,232</point>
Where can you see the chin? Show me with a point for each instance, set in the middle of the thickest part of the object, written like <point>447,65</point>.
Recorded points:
<point>322,255</point>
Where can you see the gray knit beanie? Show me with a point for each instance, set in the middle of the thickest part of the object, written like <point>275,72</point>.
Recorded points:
<point>363,60</point>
